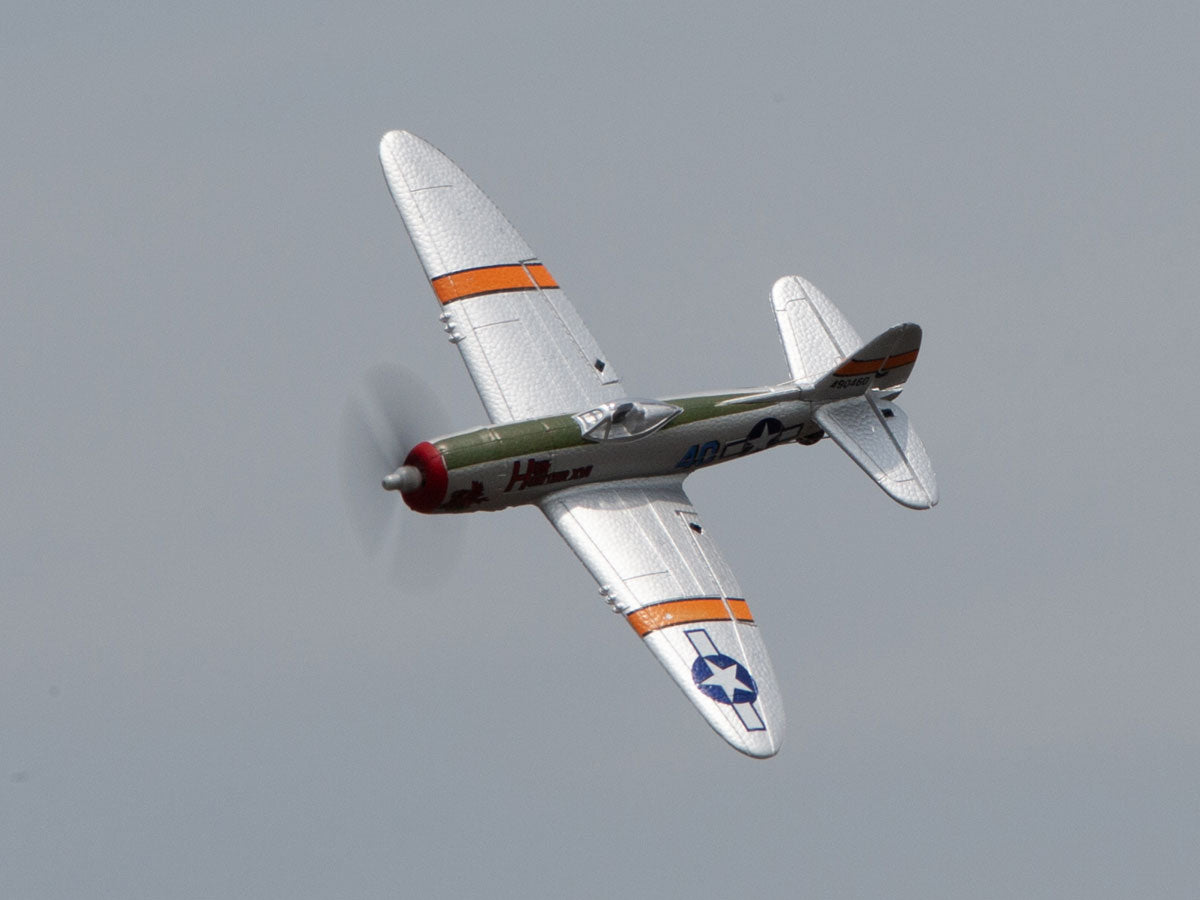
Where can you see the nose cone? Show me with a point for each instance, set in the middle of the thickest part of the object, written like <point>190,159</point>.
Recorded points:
<point>404,479</point>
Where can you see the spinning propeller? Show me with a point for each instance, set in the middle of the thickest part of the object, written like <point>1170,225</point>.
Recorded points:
<point>397,411</point>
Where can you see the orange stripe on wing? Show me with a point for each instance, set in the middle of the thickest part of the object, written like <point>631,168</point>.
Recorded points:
<point>685,612</point>
<point>491,280</point>
<point>865,366</point>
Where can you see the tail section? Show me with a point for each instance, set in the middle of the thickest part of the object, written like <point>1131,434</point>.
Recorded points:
<point>877,435</point>
<point>852,384</point>
<point>816,336</point>
<point>880,364</point>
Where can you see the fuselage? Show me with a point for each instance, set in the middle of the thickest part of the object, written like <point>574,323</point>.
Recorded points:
<point>498,466</point>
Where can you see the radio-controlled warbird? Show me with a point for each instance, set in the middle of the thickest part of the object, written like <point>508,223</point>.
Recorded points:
<point>608,469</point>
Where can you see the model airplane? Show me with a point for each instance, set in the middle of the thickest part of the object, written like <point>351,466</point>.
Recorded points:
<point>608,469</point>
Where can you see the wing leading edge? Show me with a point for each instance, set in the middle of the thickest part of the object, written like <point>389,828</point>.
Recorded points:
<point>525,346</point>
<point>644,543</point>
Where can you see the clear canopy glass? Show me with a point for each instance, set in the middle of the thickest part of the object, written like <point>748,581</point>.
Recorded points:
<point>625,420</point>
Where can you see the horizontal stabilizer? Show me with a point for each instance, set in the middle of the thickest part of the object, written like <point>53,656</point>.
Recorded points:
<point>878,436</point>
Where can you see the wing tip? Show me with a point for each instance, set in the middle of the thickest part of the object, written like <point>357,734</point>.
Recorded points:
<point>722,667</point>
<point>398,144</point>
<point>923,496</point>
<point>766,751</point>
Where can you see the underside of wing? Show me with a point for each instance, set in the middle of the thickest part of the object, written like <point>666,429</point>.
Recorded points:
<point>644,543</point>
<point>525,346</point>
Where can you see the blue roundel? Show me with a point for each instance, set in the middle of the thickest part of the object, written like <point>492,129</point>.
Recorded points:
<point>724,679</point>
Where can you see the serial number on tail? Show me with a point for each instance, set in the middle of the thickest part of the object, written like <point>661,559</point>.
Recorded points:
<point>850,382</point>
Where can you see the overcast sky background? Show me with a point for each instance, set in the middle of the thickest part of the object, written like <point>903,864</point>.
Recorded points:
<point>206,689</point>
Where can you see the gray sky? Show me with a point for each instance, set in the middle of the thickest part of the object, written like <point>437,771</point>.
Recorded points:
<point>207,691</point>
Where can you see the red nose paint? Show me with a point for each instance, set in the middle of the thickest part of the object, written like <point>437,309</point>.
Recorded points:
<point>434,478</point>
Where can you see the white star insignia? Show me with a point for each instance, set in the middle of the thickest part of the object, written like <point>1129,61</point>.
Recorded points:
<point>727,678</point>
<point>759,443</point>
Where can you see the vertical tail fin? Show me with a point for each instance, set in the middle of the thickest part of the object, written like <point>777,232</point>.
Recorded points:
<point>815,334</point>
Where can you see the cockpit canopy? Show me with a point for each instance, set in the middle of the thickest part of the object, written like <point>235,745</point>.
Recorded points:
<point>625,420</point>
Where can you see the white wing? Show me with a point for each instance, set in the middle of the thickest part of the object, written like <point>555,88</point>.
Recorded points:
<point>644,543</point>
<point>524,344</point>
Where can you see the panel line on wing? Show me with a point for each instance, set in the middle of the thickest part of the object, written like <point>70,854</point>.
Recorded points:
<point>583,354</point>
<point>399,171</point>
<point>569,512</point>
<point>896,444</point>
<point>729,603</point>
<point>477,332</point>
<point>688,516</point>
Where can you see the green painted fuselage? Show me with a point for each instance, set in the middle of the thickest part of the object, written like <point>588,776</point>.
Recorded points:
<point>498,466</point>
